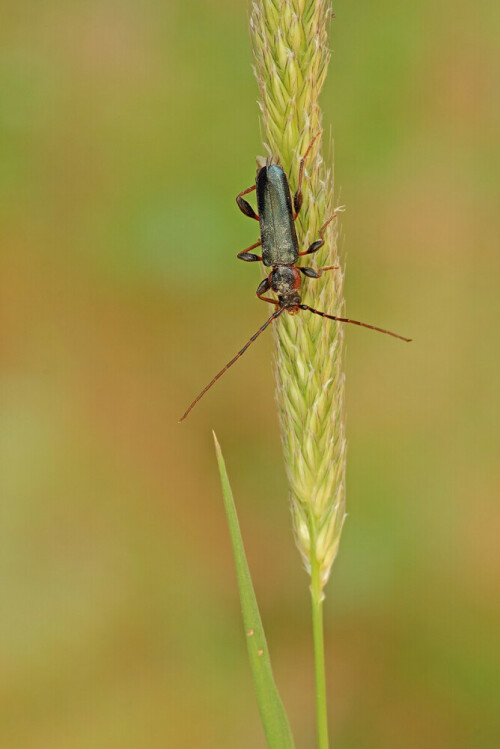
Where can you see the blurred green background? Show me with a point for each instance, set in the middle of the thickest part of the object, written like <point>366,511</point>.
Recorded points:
<point>127,129</point>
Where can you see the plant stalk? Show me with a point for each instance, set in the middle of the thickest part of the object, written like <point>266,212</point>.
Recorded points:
<point>291,55</point>
<point>317,598</point>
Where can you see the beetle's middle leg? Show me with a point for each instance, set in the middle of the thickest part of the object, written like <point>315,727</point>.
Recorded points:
<point>250,257</point>
<point>244,206</point>
<point>312,273</point>
<point>314,247</point>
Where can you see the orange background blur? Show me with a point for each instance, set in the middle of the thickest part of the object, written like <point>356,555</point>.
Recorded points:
<point>127,130</point>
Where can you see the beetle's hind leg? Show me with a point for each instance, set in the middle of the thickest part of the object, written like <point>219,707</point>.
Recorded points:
<point>298,197</point>
<point>244,206</point>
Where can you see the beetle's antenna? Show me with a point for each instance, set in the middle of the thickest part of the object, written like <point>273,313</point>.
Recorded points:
<point>354,322</point>
<point>230,364</point>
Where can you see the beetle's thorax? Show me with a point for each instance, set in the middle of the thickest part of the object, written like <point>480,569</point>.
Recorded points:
<point>285,282</point>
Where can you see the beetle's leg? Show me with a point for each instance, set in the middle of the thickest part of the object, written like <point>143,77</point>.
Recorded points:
<point>312,273</point>
<point>264,286</point>
<point>245,207</point>
<point>298,197</point>
<point>250,257</point>
<point>314,247</point>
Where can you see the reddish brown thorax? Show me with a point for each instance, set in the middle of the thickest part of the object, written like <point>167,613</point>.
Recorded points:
<point>284,280</point>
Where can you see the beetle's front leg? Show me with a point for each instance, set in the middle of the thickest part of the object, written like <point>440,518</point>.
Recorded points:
<point>264,286</point>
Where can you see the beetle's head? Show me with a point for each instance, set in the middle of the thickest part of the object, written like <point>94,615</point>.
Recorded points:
<point>290,302</point>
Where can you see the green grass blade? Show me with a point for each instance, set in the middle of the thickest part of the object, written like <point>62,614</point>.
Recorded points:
<point>272,712</point>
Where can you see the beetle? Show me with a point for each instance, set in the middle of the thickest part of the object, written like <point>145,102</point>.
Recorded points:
<point>280,251</point>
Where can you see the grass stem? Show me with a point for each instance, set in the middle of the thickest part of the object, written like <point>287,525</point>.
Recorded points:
<point>319,653</point>
<point>291,55</point>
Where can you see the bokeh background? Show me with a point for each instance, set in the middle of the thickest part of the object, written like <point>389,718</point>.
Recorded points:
<point>127,130</point>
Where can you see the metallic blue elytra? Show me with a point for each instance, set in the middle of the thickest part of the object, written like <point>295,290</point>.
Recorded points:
<point>277,229</point>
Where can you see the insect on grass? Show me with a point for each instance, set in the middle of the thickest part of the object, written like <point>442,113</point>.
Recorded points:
<point>276,215</point>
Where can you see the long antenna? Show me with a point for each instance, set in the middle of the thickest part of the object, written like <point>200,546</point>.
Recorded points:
<point>354,322</point>
<point>230,364</point>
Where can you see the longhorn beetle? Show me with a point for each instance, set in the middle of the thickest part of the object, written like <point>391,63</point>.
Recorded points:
<point>280,251</point>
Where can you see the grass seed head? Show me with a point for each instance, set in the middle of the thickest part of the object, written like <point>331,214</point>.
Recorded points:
<point>291,56</point>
